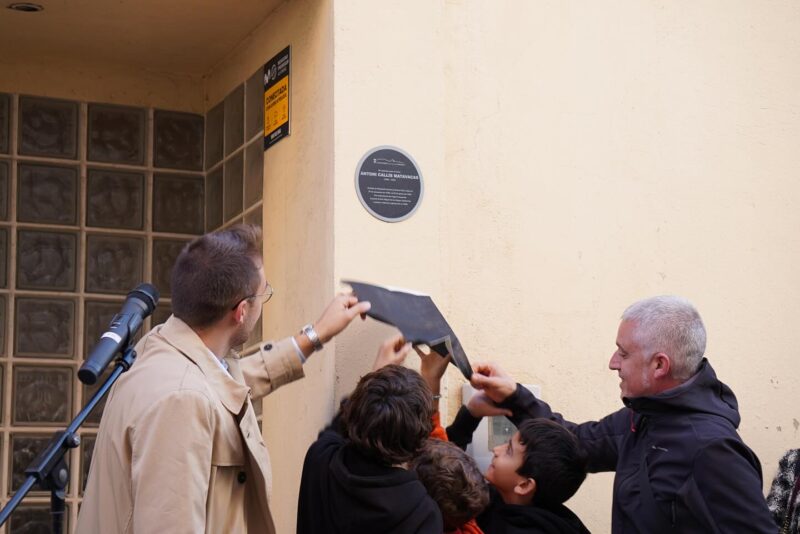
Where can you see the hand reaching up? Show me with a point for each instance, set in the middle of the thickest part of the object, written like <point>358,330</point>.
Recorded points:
<point>432,368</point>
<point>339,313</point>
<point>493,381</point>
<point>393,351</point>
<point>482,406</point>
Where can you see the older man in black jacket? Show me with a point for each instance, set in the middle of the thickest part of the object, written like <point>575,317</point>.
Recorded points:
<point>680,464</point>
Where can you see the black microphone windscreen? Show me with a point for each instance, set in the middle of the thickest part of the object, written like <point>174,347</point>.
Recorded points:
<point>148,294</point>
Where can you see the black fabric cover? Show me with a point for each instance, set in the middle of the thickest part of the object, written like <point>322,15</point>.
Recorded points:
<point>417,317</point>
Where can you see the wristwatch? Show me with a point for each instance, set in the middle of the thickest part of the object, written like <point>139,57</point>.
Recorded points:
<point>312,336</point>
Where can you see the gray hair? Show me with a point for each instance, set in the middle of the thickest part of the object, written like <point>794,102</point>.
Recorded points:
<point>671,325</point>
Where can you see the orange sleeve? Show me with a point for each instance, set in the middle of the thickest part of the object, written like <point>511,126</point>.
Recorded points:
<point>438,432</point>
<point>471,527</point>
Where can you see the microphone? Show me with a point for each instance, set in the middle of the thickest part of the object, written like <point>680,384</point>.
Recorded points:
<point>140,304</point>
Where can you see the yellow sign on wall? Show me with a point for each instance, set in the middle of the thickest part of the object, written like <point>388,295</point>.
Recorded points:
<point>276,98</point>
<point>276,106</point>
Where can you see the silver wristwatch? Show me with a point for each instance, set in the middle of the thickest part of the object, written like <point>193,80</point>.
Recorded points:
<point>312,336</point>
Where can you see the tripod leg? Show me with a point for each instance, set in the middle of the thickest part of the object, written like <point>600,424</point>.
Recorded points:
<point>57,510</point>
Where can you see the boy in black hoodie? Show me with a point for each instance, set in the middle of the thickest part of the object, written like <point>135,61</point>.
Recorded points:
<point>531,476</point>
<point>355,476</point>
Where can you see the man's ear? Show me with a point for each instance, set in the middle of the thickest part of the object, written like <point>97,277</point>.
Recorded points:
<point>526,488</point>
<point>661,365</point>
<point>240,312</point>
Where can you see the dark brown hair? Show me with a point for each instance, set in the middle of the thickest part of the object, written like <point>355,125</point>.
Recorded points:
<point>453,480</point>
<point>213,272</point>
<point>389,414</point>
<point>553,458</point>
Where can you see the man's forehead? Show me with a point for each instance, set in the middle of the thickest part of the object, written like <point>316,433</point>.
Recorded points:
<point>627,334</point>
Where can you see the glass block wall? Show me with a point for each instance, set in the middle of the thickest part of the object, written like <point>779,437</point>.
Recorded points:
<point>235,162</point>
<point>94,199</point>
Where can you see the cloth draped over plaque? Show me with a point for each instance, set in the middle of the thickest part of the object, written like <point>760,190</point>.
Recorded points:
<point>417,318</point>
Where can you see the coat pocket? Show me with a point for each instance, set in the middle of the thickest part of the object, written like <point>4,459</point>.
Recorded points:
<point>226,498</point>
<point>227,480</point>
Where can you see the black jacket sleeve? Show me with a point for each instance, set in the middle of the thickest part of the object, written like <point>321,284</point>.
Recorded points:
<point>599,439</point>
<point>464,425</point>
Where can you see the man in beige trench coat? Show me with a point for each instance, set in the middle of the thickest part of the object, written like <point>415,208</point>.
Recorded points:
<point>179,449</point>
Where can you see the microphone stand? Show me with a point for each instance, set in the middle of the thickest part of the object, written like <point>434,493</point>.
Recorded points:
<point>49,469</point>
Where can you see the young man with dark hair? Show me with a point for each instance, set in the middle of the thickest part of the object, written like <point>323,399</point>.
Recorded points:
<point>212,271</point>
<point>356,476</point>
<point>179,448</point>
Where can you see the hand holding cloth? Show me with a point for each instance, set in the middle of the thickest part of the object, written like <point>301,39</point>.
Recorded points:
<point>417,317</point>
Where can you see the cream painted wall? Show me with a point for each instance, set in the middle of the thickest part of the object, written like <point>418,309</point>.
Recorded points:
<point>578,157</point>
<point>600,153</point>
<point>298,222</point>
<point>96,81</point>
<point>389,87</point>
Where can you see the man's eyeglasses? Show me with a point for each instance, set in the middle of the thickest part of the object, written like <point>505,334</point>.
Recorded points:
<point>265,296</point>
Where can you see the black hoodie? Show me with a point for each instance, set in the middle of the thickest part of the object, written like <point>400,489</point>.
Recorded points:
<point>501,518</point>
<point>680,464</point>
<point>343,492</point>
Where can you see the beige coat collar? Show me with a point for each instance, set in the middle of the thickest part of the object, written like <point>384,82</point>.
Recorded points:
<point>180,335</point>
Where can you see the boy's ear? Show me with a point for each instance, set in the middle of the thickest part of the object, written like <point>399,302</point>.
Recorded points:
<point>526,488</point>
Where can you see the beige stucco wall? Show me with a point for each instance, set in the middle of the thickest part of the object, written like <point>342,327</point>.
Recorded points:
<point>578,157</point>
<point>389,87</point>
<point>64,76</point>
<point>298,222</point>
